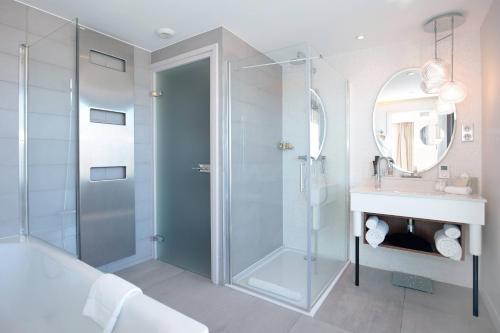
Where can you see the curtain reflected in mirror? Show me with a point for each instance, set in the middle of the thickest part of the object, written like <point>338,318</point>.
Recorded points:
<point>404,145</point>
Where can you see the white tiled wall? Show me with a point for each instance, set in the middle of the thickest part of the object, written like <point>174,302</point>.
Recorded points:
<point>11,36</point>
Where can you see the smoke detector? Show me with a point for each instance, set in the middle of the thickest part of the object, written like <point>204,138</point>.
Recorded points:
<point>165,33</point>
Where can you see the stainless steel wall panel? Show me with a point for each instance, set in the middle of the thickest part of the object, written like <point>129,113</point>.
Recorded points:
<point>107,221</point>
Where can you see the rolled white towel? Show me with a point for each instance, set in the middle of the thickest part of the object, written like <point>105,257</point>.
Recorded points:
<point>371,222</point>
<point>447,246</point>
<point>452,231</point>
<point>106,298</point>
<point>376,236</point>
<point>463,190</point>
<point>458,255</point>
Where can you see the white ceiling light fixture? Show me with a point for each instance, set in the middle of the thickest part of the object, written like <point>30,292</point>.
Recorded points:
<point>360,37</point>
<point>165,33</point>
<point>435,72</point>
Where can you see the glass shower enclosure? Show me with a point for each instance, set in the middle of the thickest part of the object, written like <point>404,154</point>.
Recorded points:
<point>288,176</point>
<point>48,127</point>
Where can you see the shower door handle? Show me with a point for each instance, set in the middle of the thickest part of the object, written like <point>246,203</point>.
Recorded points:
<point>203,168</point>
<point>301,177</point>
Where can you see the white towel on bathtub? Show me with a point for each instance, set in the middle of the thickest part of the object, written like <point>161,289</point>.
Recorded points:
<point>106,298</point>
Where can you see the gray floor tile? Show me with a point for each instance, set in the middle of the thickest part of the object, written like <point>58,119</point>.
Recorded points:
<point>446,298</point>
<point>418,319</point>
<point>448,309</point>
<point>375,306</point>
<point>262,316</point>
<point>148,274</point>
<point>199,298</point>
<point>307,324</point>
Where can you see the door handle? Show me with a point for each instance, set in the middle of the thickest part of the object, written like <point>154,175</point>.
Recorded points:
<point>203,168</point>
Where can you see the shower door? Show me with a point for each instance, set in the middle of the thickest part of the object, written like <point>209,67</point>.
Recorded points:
<point>52,137</point>
<point>269,166</point>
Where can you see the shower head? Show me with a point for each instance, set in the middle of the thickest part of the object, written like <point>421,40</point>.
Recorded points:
<point>300,59</point>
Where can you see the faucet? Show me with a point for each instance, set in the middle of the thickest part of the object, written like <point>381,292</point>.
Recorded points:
<point>389,161</point>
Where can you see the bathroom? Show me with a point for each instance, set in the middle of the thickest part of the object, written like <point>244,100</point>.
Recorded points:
<point>197,167</point>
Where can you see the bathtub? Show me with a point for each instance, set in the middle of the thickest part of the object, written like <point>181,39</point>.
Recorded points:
<point>43,289</point>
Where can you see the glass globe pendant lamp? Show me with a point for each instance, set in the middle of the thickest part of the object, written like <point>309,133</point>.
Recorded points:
<point>453,91</point>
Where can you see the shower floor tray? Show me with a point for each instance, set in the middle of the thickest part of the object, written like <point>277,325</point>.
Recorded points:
<point>282,275</point>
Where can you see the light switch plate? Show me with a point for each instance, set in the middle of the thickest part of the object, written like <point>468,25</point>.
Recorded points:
<point>467,132</point>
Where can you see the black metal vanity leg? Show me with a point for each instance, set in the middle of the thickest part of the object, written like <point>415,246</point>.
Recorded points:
<point>356,281</point>
<point>475,286</point>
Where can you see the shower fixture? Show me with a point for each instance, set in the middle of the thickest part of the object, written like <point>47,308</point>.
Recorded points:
<point>300,59</point>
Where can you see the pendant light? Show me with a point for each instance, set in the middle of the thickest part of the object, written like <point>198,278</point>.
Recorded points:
<point>453,91</point>
<point>435,71</point>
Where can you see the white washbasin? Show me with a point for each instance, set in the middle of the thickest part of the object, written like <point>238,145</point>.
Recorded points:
<point>415,192</point>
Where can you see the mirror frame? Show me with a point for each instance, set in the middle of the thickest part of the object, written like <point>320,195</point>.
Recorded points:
<point>325,120</point>
<point>445,153</point>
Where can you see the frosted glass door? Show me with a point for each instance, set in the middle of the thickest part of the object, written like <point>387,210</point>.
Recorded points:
<point>183,187</point>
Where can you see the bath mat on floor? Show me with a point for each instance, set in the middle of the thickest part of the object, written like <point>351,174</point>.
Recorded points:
<point>412,282</point>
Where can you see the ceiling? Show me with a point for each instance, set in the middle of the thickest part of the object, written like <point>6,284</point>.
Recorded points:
<point>330,26</point>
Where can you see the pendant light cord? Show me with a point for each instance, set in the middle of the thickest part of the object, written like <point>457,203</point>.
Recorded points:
<point>452,44</point>
<point>435,40</point>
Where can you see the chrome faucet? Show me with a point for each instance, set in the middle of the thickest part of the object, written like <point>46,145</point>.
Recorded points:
<point>389,161</point>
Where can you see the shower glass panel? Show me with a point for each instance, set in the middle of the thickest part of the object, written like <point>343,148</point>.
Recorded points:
<point>329,174</point>
<point>288,214</point>
<point>52,137</point>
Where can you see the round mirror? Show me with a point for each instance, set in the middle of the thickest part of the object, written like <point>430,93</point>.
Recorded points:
<point>411,126</point>
<point>318,125</point>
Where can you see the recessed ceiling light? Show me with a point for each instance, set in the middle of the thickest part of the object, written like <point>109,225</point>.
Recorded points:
<point>411,73</point>
<point>165,33</point>
<point>360,37</point>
